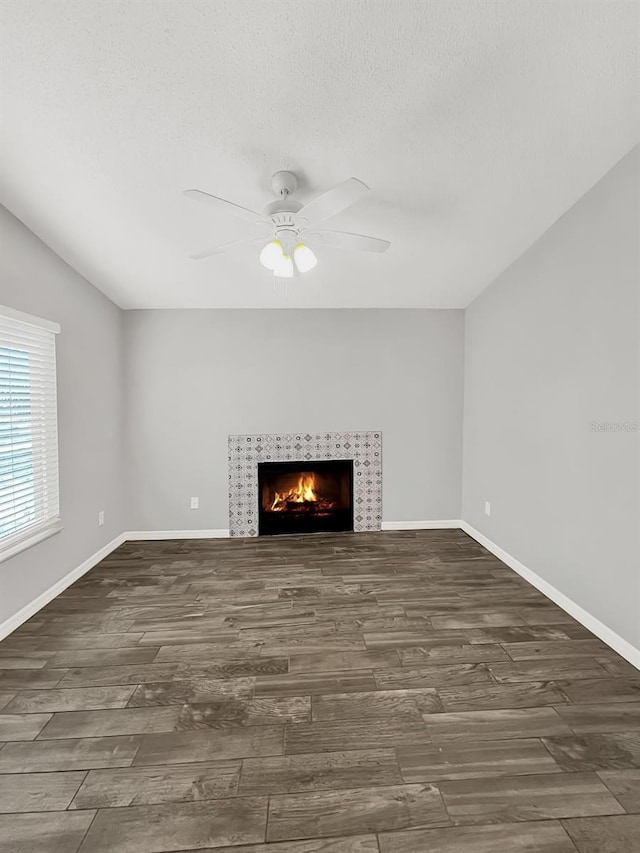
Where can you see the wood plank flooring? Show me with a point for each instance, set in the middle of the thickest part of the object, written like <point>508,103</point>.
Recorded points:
<point>397,692</point>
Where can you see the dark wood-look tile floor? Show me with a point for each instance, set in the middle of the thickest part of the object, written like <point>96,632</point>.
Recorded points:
<point>397,692</point>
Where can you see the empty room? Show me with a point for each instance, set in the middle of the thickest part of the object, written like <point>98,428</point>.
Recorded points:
<point>320,426</point>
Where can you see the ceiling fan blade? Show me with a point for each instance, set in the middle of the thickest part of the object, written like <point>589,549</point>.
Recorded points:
<point>225,206</point>
<point>333,201</point>
<point>345,240</point>
<point>225,247</point>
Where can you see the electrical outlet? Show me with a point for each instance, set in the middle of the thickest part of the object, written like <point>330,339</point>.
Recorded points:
<point>101,518</point>
<point>487,508</point>
<point>195,503</point>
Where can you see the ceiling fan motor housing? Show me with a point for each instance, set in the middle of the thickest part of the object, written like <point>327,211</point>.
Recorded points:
<point>282,213</point>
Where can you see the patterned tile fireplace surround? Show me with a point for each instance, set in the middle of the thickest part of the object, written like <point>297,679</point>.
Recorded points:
<point>245,451</point>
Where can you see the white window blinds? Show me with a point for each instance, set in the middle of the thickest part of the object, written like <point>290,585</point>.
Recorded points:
<point>29,504</point>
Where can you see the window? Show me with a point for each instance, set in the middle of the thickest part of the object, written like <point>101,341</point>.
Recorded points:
<point>29,504</point>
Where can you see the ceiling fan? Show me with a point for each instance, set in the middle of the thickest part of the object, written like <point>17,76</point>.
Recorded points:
<point>293,226</point>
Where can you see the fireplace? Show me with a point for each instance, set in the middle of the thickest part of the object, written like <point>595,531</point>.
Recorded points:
<point>305,497</point>
<point>250,451</point>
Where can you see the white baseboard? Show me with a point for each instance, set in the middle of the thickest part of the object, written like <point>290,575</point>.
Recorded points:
<point>29,610</point>
<point>615,641</point>
<point>153,535</point>
<point>422,525</point>
<point>223,532</point>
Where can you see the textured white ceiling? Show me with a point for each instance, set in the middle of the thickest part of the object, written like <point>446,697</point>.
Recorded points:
<point>477,123</point>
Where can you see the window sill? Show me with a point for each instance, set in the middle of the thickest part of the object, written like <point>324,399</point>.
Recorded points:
<point>29,540</point>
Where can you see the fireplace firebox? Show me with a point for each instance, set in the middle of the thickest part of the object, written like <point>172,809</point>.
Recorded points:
<point>305,497</point>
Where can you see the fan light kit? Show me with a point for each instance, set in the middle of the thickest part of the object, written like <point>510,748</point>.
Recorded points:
<point>293,227</point>
<point>274,258</point>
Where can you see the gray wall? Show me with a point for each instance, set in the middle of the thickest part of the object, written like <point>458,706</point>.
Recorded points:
<point>194,377</point>
<point>89,369</point>
<point>551,347</point>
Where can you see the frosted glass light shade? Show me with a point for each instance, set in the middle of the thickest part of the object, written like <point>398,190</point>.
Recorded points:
<point>304,258</point>
<point>271,254</point>
<point>284,267</point>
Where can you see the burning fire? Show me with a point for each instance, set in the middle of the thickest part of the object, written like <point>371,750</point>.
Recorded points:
<point>304,492</point>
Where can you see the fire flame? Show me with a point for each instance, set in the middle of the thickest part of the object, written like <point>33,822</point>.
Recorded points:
<point>304,491</point>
